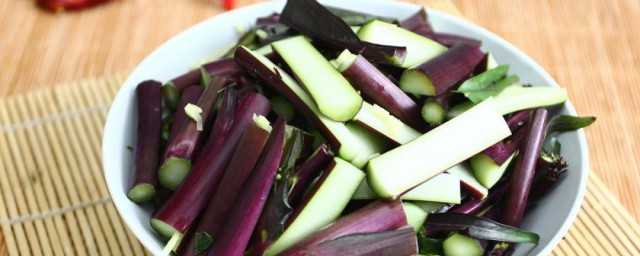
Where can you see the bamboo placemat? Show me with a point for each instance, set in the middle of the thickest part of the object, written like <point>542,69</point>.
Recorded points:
<point>55,201</point>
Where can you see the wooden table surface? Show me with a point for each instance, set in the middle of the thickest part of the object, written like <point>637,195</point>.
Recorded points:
<point>590,47</point>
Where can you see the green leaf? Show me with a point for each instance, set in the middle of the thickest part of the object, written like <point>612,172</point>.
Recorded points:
<point>563,123</point>
<point>429,246</point>
<point>479,227</point>
<point>487,84</point>
<point>203,242</point>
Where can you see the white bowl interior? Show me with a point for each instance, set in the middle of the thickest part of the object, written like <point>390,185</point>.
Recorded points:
<point>551,218</point>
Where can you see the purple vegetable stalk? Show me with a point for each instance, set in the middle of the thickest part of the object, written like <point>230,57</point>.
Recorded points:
<point>307,172</point>
<point>501,151</point>
<point>188,140</point>
<point>189,96</point>
<point>448,40</point>
<point>418,23</point>
<point>376,217</point>
<point>231,185</point>
<point>223,67</point>
<point>148,142</point>
<point>524,169</point>
<point>286,196</point>
<point>179,212</point>
<point>474,205</point>
<point>447,70</point>
<point>187,143</point>
<point>377,88</point>
<point>400,242</point>
<point>234,235</point>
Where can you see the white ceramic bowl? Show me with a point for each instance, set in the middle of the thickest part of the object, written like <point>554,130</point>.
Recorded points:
<point>551,218</point>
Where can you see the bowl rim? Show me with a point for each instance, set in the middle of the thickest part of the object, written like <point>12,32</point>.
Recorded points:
<point>117,107</point>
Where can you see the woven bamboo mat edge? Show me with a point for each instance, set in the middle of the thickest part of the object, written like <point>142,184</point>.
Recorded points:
<point>58,202</point>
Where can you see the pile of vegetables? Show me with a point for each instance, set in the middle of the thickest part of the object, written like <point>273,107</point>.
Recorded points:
<point>331,132</point>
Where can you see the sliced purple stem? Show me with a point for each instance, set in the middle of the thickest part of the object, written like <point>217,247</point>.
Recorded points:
<point>148,139</point>
<point>189,96</point>
<point>191,197</point>
<point>234,235</point>
<point>524,169</point>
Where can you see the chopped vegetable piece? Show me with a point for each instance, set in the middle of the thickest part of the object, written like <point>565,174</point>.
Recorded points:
<point>371,144</point>
<point>187,144</point>
<point>468,181</point>
<point>312,19</point>
<point>433,113</point>
<point>486,171</point>
<point>148,142</point>
<point>335,132</point>
<point>501,151</point>
<point>378,89</point>
<point>561,123</point>
<point>448,40</point>
<point>524,169</point>
<point>415,215</point>
<point>231,186</point>
<point>187,202</point>
<point>307,172</point>
<point>234,235</point>
<point>225,67</point>
<point>189,96</point>
<point>440,74</point>
<point>419,49</point>
<point>461,245</point>
<point>401,242</point>
<point>286,196</point>
<point>417,22</point>
<point>195,113</point>
<point>377,216</point>
<point>458,109</point>
<point>474,205</point>
<point>400,169</point>
<point>333,94</point>
<point>323,205</point>
<point>441,188</point>
<point>381,122</point>
<point>517,97</point>
<point>479,227</point>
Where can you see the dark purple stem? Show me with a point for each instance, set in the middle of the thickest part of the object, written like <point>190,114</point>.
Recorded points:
<point>307,172</point>
<point>189,96</point>
<point>223,67</point>
<point>448,69</point>
<point>376,87</point>
<point>448,40</point>
<point>188,142</point>
<point>418,22</point>
<point>148,134</point>
<point>376,217</point>
<point>191,197</point>
<point>474,205</point>
<point>524,169</point>
<point>231,185</point>
<point>236,232</point>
